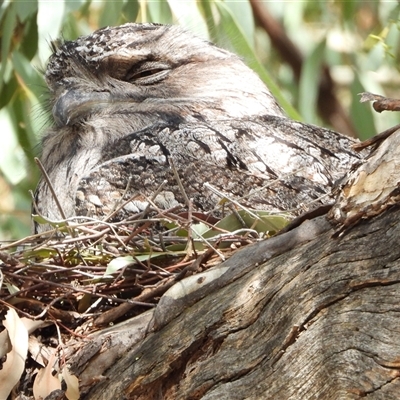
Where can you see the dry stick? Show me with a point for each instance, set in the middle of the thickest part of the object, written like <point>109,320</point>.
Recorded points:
<point>179,182</point>
<point>145,211</point>
<point>202,239</point>
<point>47,179</point>
<point>377,138</point>
<point>116,236</point>
<point>4,302</point>
<point>156,193</point>
<point>74,289</point>
<point>380,103</point>
<point>113,314</point>
<point>48,306</point>
<point>118,206</point>
<point>237,215</point>
<point>269,184</point>
<point>189,204</point>
<point>50,185</point>
<point>136,232</point>
<point>222,195</point>
<point>190,247</point>
<point>195,265</point>
<point>211,226</point>
<point>59,268</point>
<point>8,259</point>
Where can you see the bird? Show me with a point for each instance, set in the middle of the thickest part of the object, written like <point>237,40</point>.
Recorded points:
<point>151,111</point>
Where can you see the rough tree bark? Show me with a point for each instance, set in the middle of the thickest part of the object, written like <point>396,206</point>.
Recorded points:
<point>308,314</point>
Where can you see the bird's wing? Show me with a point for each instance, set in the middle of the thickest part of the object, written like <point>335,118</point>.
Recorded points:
<point>270,163</point>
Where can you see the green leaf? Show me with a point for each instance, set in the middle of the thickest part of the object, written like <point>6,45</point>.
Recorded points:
<point>118,263</point>
<point>41,253</point>
<point>50,17</point>
<point>309,83</point>
<point>229,28</point>
<point>265,223</point>
<point>159,11</point>
<point>361,113</point>
<point>349,9</point>
<point>121,262</point>
<point>111,13</point>
<point>30,81</point>
<point>11,155</point>
<point>199,229</point>
<point>269,223</point>
<point>9,90</point>
<point>71,6</point>
<point>230,223</point>
<point>29,44</point>
<point>42,220</point>
<point>130,10</point>
<point>12,288</point>
<point>206,9</point>
<point>187,14</point>
<point>242,13</point>
<point>8,26</point>
<point>25,9</point>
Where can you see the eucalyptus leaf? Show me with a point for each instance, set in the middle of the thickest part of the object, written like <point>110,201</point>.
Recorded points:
<point>8,26</point>
<point>265,223</point>
<point>41,253</point>
<point>199,229</point>
<point>25,9</point>
<point>309,83</point>
<point>111,13</point>
<point>50,17</point>
<point>131,10</point>
<point>232,30</point>
<point>361,112</point>
<point>42,220</point>
<point>121,262</point>
<point>160,12</point>
<point>11,155</point>
<point>187,14</point>
<point>242,13</point>
<point>12,289</point>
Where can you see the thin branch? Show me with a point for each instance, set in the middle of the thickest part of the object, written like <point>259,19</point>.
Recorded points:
<point>50,185</point>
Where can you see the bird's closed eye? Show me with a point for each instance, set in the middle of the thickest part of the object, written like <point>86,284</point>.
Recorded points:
<point>147,73</point>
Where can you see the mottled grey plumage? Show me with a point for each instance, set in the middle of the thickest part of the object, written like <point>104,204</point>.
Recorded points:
<point>126,100</point>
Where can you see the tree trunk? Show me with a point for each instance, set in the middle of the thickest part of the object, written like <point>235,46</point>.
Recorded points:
<point>307,314</point>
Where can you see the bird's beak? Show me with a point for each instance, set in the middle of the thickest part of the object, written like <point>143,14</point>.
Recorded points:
<point>75,104</point>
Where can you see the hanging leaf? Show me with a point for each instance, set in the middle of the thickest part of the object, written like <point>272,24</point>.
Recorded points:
<point>14,366</point>
<point>45,382</point>
<point>72,382</point>
<point>309,83</point>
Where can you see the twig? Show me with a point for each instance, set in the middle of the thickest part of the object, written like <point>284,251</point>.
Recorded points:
<point>375,139</point>
<point>50,185</point>
<point>179,182</point>
<point>204,240</point>
<point>117,312</point>
<point>222,195</point>
<point>115,207</point>
<point>74,289</point>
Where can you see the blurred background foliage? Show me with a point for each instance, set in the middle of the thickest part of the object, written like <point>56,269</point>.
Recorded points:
<point>316,56</point>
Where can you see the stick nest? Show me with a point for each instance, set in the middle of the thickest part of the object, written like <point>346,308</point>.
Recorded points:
<point>88,274</point>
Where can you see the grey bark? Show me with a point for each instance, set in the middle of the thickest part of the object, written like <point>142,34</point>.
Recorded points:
<point>299,316</point>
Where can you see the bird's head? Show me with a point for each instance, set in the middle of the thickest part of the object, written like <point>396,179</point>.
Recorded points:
<point>143,73</point>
